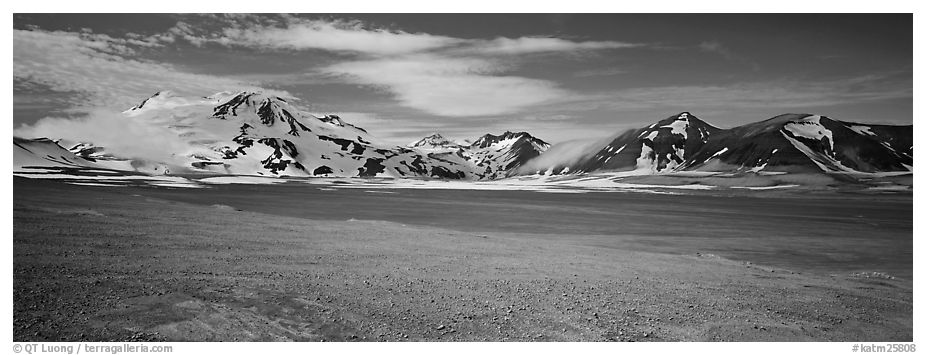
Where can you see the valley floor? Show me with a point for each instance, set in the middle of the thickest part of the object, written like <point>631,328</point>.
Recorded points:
<point>307,263</point>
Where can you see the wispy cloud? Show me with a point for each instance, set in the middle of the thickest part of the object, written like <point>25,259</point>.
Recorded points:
<point>102,70</point>
<point>598,72</point>
<point>440,75</point>
<point>132,137</point>
<point>780,95</point>
<point>450,86</point>
<point>336,36</point>
<point>548,117</point>
<point>357,37</point>
<point>526,45</point>
<point>565,154</point>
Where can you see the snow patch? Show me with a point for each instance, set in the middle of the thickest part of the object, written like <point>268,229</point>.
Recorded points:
<point>678,127</point>
<point>866,130</point>
<point>759,188</point>
<point>758,168</point>
<point>831,165</point>
<point>810,127</point>
<point>223,180</point>
<point>92,184</point>
<point>113,180</point>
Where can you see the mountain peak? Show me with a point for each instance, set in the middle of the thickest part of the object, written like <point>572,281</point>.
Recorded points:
<point>682,121</point>
<point>269,108</point>
<point>434,140</point>
<point>684,116</point>
<point>490,139</point>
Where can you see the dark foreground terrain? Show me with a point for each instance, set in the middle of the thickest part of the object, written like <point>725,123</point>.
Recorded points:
<point>271,263</point>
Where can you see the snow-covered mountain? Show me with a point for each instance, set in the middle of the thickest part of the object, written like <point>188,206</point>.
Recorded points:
<point>435,143</point>
<point>250,133</point>
<point>488,157</point>
<point>43,152</point>
<point>786,143</point>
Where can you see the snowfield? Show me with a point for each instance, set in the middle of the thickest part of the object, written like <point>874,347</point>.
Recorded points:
<point>539,183</point>
<point>251,138</point>
<point>616,181</point>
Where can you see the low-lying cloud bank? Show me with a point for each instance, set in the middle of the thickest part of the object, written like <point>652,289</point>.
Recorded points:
<point>130,136</point>
<point>565,154</point>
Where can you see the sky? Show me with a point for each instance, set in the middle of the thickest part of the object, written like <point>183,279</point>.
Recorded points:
<point>560,77</point>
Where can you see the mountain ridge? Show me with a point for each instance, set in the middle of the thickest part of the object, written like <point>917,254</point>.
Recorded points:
<point>788,142</point>
<point>251,133</point>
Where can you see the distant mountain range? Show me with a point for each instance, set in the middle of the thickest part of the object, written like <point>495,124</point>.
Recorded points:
<point>437,143</point>
<point>249,133</point>
<point>785,143</point>
<point>488,157</point>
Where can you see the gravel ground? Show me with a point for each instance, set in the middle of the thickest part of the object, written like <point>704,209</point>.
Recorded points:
<point>110,264</point>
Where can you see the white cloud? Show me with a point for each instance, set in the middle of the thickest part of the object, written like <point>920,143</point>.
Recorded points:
<point>565,154</point>
<point>439,75</point>
<point>132,137</point>
<point>450,86</point>
<point>337,36</point>
<point>354,36</point>
<point>548,117</point>
<point>97,66</point>
<point>525,45</point>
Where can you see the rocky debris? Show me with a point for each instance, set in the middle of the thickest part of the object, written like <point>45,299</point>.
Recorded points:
<point>875,275</point>
<point>182,275</point>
